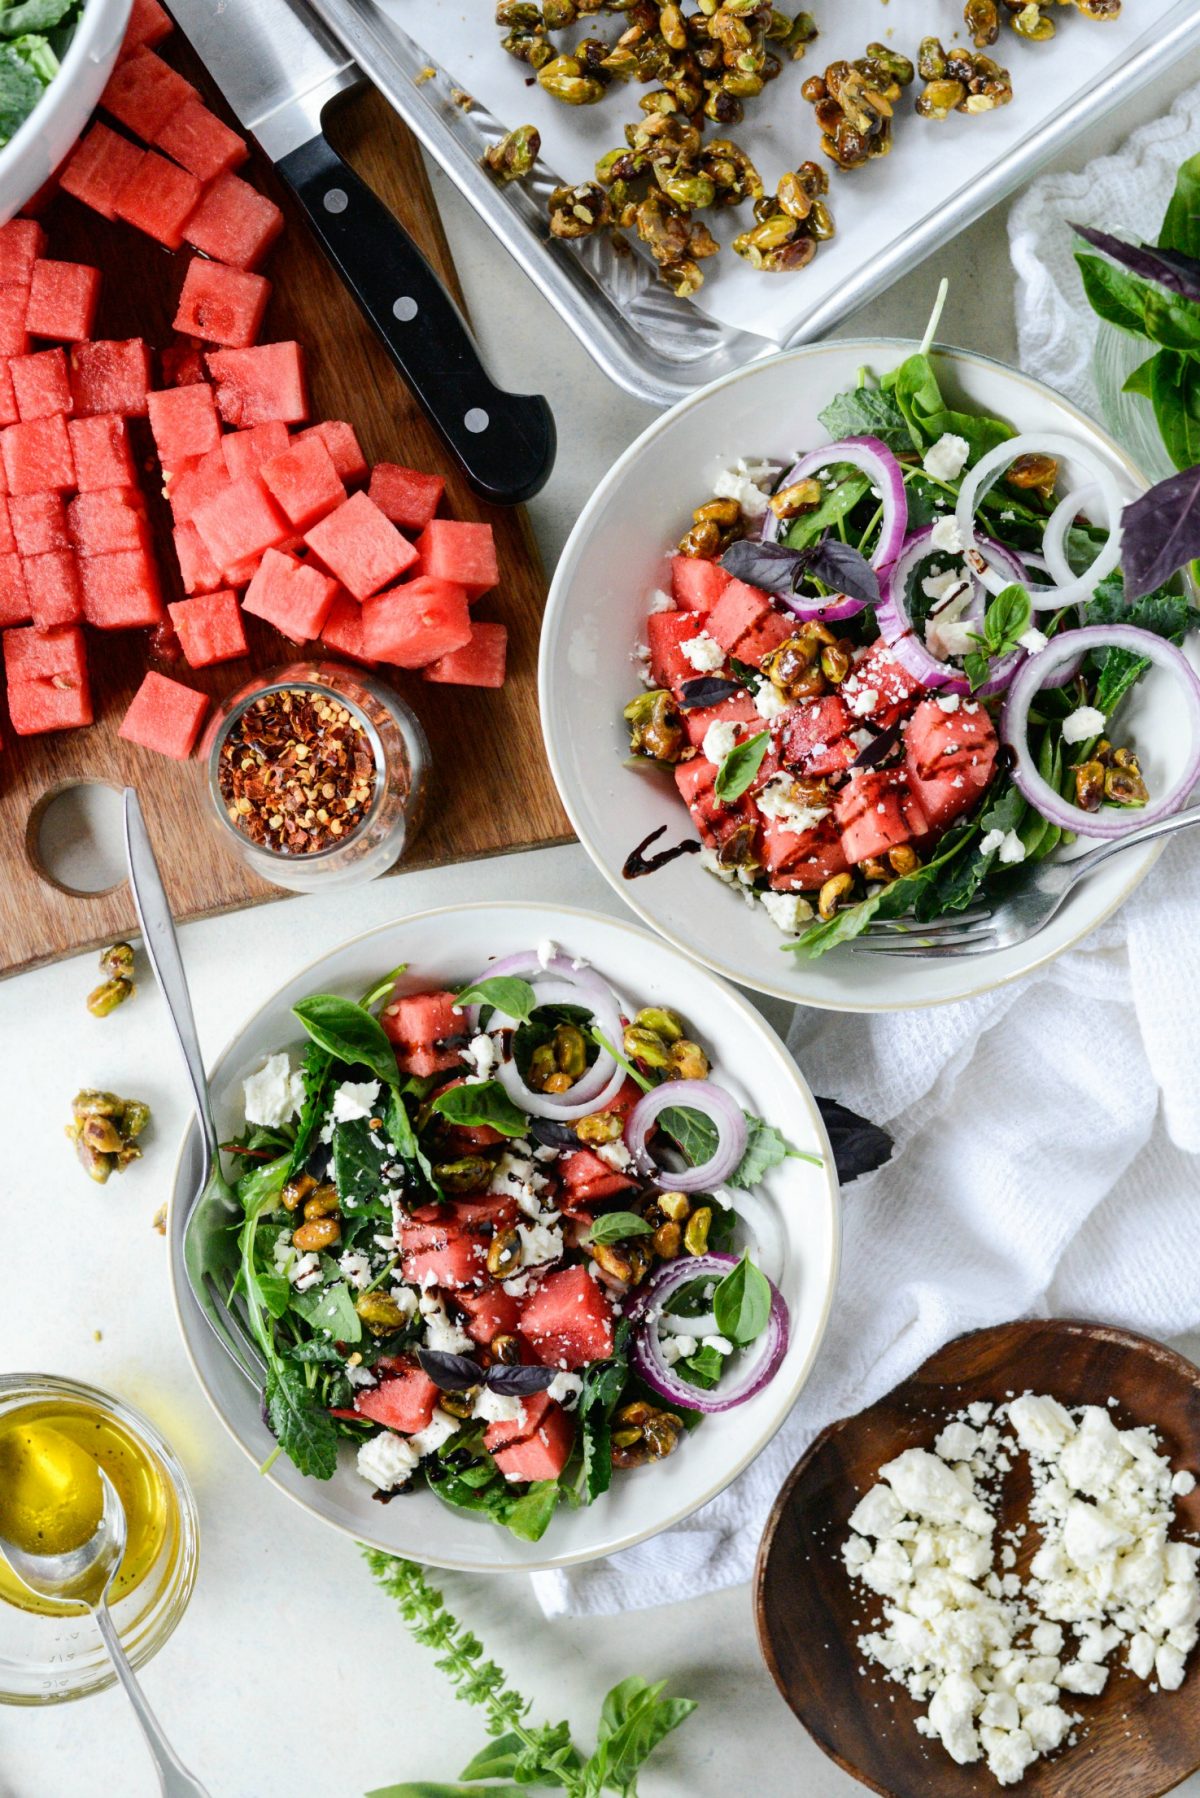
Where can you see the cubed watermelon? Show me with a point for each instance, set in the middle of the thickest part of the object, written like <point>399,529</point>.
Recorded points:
<point>290,595</point>
<point>453,549</point>
<point>110,376</point>
<point>184,423</point>
<point>142,93</point>
<point>545,1451</point>
<point>404,1399</point>
<point>14,305</point>
<point>738,710</point>
<point>428,1032</point>
<point>488,1313</point>
<point>209,627</point>
<point>745,624</point>
<point>259,384</point>
<point>14,595</point>
<point>36,706</point>
<point>47,680</point>
<point>40,384</point>
<point>238,522</point>
<point>303,482</point>
<point>38,523</point>
<point>197,138</point>
<point>100,166</point>
<point>568,1321</point>
<point>340,440</point>
<point>587,1180</point>
<point>221,304</point>
<point>666,633</point>
<point>697,585</point>
<point>197,569</point>
<point>37,456</point>
<point>798,861</point>
<point>148,24</point>
<point>343,629</point>
<point>196,482</point>
<point>234,223</point>
<point>120,591</point>
<point>22,241</point>
<point>417,623</point>
<point>479,663</point>
<point>8,541</point>
<point>443,1254</point>
<point>362,548</point>
<point>246,451</point>
<point>100,450</point>
<point>816,736</point>
<point>950,757</point>
<point>876,811</point>
<point>404,495</point>
<point>159,198</point>
<point>8,396</point>
<point>165,716</point>
<point>55,593</point>
<point>182,364</point>
<point>880,687</point>
<point>102,523</point>
<point>63,297</point>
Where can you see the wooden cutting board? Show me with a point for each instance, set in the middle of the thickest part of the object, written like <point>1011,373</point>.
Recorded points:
<point>490,788</point>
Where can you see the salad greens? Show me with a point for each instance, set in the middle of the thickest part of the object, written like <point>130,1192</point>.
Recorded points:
<point>34,35</point>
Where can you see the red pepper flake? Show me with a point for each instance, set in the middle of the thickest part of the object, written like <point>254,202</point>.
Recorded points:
<point>297,771</point>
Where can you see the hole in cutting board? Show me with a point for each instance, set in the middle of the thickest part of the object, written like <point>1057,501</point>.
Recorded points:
<point>75,838</point>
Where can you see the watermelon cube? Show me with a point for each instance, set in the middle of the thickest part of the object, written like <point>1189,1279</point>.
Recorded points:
<point>184,423</point>
<point>361,547</point>
<point>198,480</point>
<point>36,706</point>
<point>197,569</point>
<point>182,364</point>
<point>454,550</point>
<point>120,591</point>
<point>159,198</point>
<point>62,300</point>
<point>8,542</point>
<point>427,1030</point>
<point>404,1400</point>
<point>880,687</point>
<point>568,1321</point>
<point>110,375</point>
<point>697,585</point>
<point>47,680</point>
<point>746,624</point>
<point>876,811</point>
<point>404,495</point>
<point>8,396</point>
<point>246,451</point>
<point>55,594</point>
<point>239,522</point>
<point>234,223</point>
<point>340,440</point>
<point>148,24</point>
<point>40,384</point>
<point>587,1180</point>
<point>14,304</point>
<point>259,384</point>
<point>290,595</point>
<point>209,627</point>
<point>666,633</point>
<point>164,715</point>
<point>196,138</point>
<point>99,168</point>
<point>220,304</point>
<point>545,1450</point>
<point>37,456</point>
<point>488,1313</point>
<point>100,448</point>
<point>143,92</point>
<point>417,623</point>
<point>38,523</point>
<point>443,1254</point>
<point>343,629</point>
<point>102,523</point>
<point>479,663</point>
<point>22,241</point>
<point>738,710</point>
<point>949,757</point>
<point>817,737</point>
<point>14,595</point>
<point>303,482</point>
<point>798,861</point>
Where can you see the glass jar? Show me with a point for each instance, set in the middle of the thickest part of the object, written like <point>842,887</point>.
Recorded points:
<point>388,818</point>
<point>1129,416</point>
<point>47,1659</point>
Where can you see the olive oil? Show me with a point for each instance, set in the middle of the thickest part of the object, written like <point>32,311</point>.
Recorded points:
<point>50,1496</point>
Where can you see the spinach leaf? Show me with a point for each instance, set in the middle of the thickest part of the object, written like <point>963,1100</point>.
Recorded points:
<point>360,1167</point>
<point>484,1102</point>
<point>595,1443</point>
<point>20,91</point>
<point>1181,224</point>
<point>616,1226</point>
<point>350,1033</point>
<point>330,1308</point>
<point>505,993</point>
<point>961,879</point>
<point>605,1381</point>
<point>528,1517</point>
<point>742,1303</point>
<point>740,766</point>
<point>314,1069</point>
<point>867,412</point>
<point>301,1426</point>
<point>919,397</point>
<point>314,1351</point>
<point>892,901</point>
<point>840,500</point>
<point>33,15</point>
<point>1175,396</point>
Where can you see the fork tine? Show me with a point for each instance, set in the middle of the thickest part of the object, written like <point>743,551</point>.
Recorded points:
<point>971,943</point>
<point>935,927</point>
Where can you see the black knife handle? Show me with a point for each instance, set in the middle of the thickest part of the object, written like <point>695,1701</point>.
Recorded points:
<point>504,441</point>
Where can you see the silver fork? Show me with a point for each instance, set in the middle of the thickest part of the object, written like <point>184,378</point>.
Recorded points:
<point>214,1207</point>
<point>1021,915</point>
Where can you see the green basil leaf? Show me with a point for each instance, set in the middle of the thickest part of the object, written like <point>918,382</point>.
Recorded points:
<point>1113,295</point>
<point>740,767</point>
<point>330,1308</point>
<point>1181,224</point>
<point>1007,618</point>
<point>1142,378</point>
<point>349,1033</point>
<point>703,1369</point>
<point>615,1226</point>
<point>514,997</point>
<point>1175,396</point>
<point>303,1429</point>
<point>975,666</point>
<point>1171,320</point>
<point>496,1760</point>
<point>742,1303</point>
<point>484,1102</point>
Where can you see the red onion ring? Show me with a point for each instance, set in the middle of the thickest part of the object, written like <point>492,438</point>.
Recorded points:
<point>876,461</point>
<point>693,1095</point>
<point>647,1352</point>
<point>1014,721</point>
<point>990,468</point>
<point>604,1079</point>
<point>896,625</point>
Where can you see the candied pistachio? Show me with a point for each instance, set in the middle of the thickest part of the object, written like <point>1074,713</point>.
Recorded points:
<point>788,231</point>
<point>854,105</point>
<point>459,1404</point>
<point>982,19</point>
<point>628,1261</point>
<point>836,661</point>
<point>833,894</point>
<point>380,1312</point>
<point>739,849</point>
<point>642,1433</point>
<point>791,667</point>
<point>296,1191</point>
<point>578,211</point>
<point>792,36</point>
<point>662,1021</point>
<point>506,1350</point>
<point>504,1253</point>
<point>1123,783</point>
<point>1089,785</point>
<point>469,1173</point>
<point>103,1128</point>
<point>1029,21</point>
<point>600,1127</point>
<point>667,1240</point>
<point>656,727</point>
<point>733,175</point>
<point>1034,473</point>
<point>646,1047</point>
<point>321,1233</point>
<point>695,1236</point>
<point>686,1060</point>
<point>959,80</point>
<point>563,78</point>
<point>801,496</point>
<point>116,961</point>
<point>105,998</point>
<point>514,156</point>
<point>323,1202</point>
<point>904,859</point>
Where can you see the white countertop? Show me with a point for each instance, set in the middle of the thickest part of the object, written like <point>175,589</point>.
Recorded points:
<point>290,1677</point>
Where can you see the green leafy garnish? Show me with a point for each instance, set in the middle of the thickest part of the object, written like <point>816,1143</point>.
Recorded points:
<point>867,412</point>
<point>615,1226</point>
<point>1005,622</point>
<point>350,1033</point>
<point>505,993</point>
<point>740,766</point>
<point>742,1303</point>
<point>483,1102</point>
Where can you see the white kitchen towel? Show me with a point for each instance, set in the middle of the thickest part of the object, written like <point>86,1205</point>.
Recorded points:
<point>1047,1135</point>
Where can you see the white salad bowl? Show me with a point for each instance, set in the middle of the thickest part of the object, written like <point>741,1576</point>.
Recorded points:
<point>617,555</point>
<point>43,142</point>
<point>798,1244</point>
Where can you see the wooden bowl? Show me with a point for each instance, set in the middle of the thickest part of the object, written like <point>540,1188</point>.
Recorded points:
<point>1133,1743</point>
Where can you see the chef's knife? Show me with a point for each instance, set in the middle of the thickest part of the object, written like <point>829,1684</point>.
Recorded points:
<point>279,69</point>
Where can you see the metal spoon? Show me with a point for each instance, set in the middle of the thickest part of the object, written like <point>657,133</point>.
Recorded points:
<point>84,1575</point>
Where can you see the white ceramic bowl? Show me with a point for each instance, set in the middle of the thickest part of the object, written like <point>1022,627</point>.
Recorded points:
<point>617,554</point>
<point>445,948</point>
<point>29,159</point>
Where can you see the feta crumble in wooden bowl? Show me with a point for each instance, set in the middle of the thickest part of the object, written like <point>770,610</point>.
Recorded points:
<point>989,1577</point>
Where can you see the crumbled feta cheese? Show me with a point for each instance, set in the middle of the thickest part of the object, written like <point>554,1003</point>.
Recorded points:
<point>406,1299</point>
<point>565,1388</point>
<point>438,1430</point>
<point>614,1155</point>
<point>946,459</point>
<point>719,739</point>
<point>864,702</point>
<point>1006,845</point>
<point>481,1056</point>
<point>949,631</point>
<point>355,1099</point>
<point>1033,640</point>
<point>639,655</point>
<point>274,1094</point>
<point>356,1267</point>
<point>1084,722</point>
<point>1183,1482</point>
<point>703,652</point>
<point>496,1407</point>
<point>445,1337</point>
<point>360,1376</point>
<point>789,912</point>
<point>540,1243</point>
<point>946,536</point>
<point>768,701</point>
<point>547,951</point>
<point>950,702</point>
<point>778,800</point>
<point>303,1271</point>
<point>676,1348</point>
<point>721,1344</point>
<point>386,1460</point>
<point>660,601</point>
<point>748,483</point>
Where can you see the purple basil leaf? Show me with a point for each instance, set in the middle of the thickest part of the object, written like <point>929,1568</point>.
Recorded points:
<point>518,1382</point>
<point>772,566</point>
<point>843,568</point>
<point>1161,533</point>
<point>1168,268</point>
<point>706,690</point>
<point>879,749</point>
<point>452,1373</point>
<point>554,1135</point>
<point>859,1146</point>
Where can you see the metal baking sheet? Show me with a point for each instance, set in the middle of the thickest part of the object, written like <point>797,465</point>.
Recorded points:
<point>890,215</point>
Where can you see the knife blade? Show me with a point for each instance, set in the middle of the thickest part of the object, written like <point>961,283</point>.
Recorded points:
<point>279,68</point>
